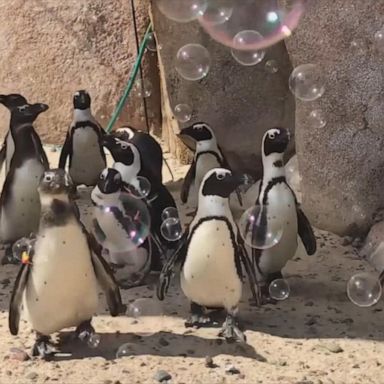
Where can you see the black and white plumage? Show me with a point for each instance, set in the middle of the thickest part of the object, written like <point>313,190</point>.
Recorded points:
<point>130,266</point>
<point>83,144</point>
<point>58,288</point>
<point>212,256</point>
<point>279,212</point>
<point>208,155</point>
<point>11,102</point>
<point>19,201</point>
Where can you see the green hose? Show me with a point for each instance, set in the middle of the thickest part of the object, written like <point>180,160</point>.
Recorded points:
<point>131,81</point>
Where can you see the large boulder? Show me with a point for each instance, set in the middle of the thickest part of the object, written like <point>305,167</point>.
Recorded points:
<point>342,164</point>
<point>49,49</point>
<point>239,102</point>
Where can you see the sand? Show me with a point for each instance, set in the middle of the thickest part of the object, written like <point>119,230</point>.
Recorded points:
<point>315,336</point>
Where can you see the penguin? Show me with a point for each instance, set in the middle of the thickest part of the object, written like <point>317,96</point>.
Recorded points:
<point>279,212</point>
<point>208,155</point>
<point>19,200</point>
<point>11,102</point>
<point>58,283</point>
<point>212,257</point>
<point>128,162</point>
<point>130,267</point>
<point>83,144</point>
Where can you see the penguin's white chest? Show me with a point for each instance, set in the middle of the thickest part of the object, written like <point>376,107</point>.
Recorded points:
<point>281,218</point>
<point>87,162</point>
<point>62,289</point>
<point>21,213</point>
<point>209,276</point>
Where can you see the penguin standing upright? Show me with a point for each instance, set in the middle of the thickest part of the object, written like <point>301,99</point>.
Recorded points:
<point>130,266</point>
<point>58,283</point>
<point>212,256</point>
<point>11,102</point>
<point>19,201</point>
<point>279,213</point>
<point>208,155</point>
<point>83,144</point>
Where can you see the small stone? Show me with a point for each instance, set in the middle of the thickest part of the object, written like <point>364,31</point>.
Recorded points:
<point>309,304</point>
<point>331,347</point>
<point>32,376</point>
<point>347,240</point>
<point>162,375</point>
<point>18,354</point>
<point>311,321</point>
<point>356,366</point>
<point>209,362</point>
<point>231,370</point>
<point>163,342</point>
<point>357,243</point>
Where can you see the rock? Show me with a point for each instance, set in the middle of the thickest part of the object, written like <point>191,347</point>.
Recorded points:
<point>246,95</point>
<point>18,354</point>
<point>341,164</point>
<point>87,41</point>
<point>373,247</point>
<point>357,243</point>
<point>231,370</point>
<point>32,376</point>
<point>163,342</point>
<point>209,362</point>
<point>331,347</point>
<point>162,375</point>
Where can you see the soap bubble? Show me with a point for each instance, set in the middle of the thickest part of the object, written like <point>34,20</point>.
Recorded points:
<point>218,12</point>
<point>171,229</point>
<point>273,20</point>
<point>151,43</point>
<point>271,66</point>
<point>125,350</point>
<point>94,341</point>
<point>248,57</point>
<point>316,119</point>
<point>279,289</point>
<point>182,11</point>
<point>143,88</point>
<point>364,289</point>
<point>307,82</point>
<point>21,250</point>
<point>145,307</point>
<point>140,187</point>
<point>169,212</point>
<point>122,225</point>
<point>379,40</point>
<point>252,226</point>
<point>193,62</point>
<point>183,113</point>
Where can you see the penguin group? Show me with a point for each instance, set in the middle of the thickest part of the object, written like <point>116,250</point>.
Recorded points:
<point>42,229</point>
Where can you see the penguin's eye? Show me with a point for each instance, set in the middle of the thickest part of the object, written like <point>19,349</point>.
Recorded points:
<point>48,178</point>
<point>102,176</point>
<point>22,108</point>
<point>123,146</point>
<point>272,136</point>
<point>220,176</point>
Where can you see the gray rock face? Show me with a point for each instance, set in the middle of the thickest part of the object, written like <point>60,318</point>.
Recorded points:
<point>239,102</point>
<point>373,249</point>
<point>342,164</point>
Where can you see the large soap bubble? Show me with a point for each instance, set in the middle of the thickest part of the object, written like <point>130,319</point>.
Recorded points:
<point>243,57</point>
<point>193,62</point>
<point>364,289</point>
<point>307,82</point>
<point>122,224</point>
<point>182,11</point>
<point>273,19</point>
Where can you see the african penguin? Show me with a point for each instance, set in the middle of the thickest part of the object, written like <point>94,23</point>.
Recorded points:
<point>212,256</point>
<point>19,201</point>
<point>279,213</point>
<point>83,144</point>
<point>11,102</point>
<point>208,155</point>
<point>58,286</point>
<point>132,266</point>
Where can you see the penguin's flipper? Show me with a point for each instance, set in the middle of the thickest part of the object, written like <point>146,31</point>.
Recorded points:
<point>306,232</point>
<point>188,180</point>
<point>3,151</point>
<point>16,298</point>
<point>65,151</point>
<point>40,149</point>
<point>169,267</point>
<point>105,277</point>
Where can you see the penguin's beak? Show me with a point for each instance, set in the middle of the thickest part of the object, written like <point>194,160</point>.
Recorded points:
<point>231,182</point>
<point>108,141</point>
<point>2,99</point>
<point>43,107</point>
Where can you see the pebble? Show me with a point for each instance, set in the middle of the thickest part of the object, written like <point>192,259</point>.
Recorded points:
<point>18,354</point>
<point>209,362</point>
<point>231,370</point>
<point>32,376</point>
<point>331,347</point>
<point>162,375</point>
<point>163,342</point>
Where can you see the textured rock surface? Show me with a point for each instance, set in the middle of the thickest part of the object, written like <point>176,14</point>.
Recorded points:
<point>240,102</point>
<point>342,163</point>
<point>49,49</point>
<point>373,249</point>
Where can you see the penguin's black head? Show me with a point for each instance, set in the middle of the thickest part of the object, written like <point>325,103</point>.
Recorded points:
<point>13,100</point>
<point>27,113</point>
<point>121,150</point>
<point>110,181</point>
<point>81,100</point>
<point>198,132</point>
<point>55,182</point>
<point>220,182</point>
<point>275,140</point>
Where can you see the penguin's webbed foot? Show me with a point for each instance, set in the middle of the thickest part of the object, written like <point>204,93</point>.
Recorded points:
<point>85,331</point>
<point>231,331</point>
<point>43,347</point>
<point>198,318</point>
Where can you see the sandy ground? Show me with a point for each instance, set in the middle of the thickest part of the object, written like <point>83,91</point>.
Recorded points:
<point>316,336</point>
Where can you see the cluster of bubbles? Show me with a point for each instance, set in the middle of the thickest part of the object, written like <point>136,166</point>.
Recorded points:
<point>142,88</point>
<point>171,228</point>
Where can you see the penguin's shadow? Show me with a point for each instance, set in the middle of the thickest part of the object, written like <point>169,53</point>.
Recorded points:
<point>156,344</point>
